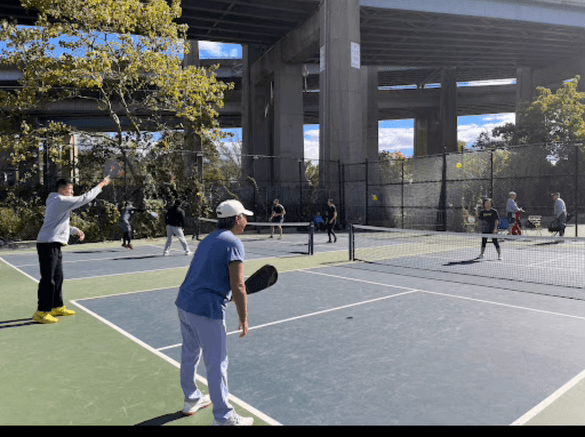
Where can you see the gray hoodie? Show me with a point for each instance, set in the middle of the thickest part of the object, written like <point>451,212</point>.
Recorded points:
<point>56,227</point>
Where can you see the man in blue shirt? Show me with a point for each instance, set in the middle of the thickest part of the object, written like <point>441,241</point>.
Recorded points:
<point>215,276</point>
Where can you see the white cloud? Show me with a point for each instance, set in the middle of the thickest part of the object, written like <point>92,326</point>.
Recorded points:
<point>217,50</point>
<point>312,143</point>
<point>396,139</point>
<point>468,132</point>
<point>393,139</point>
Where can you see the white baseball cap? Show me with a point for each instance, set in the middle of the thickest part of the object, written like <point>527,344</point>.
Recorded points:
<point>231,208</point>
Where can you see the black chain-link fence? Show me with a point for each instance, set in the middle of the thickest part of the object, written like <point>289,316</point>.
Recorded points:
<point>435,192</point>
<point>443,192</point>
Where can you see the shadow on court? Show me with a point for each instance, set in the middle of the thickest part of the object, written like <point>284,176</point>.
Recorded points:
<point>162,420</point>
<point>17,323</point>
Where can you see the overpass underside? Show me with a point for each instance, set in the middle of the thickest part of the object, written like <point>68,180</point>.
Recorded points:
<point>347,64</point>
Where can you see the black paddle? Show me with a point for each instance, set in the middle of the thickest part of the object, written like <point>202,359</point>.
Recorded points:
<point>263,278</point>
<point>112,169</point>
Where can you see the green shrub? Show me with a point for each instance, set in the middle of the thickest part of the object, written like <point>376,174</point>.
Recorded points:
<point>9,223</point>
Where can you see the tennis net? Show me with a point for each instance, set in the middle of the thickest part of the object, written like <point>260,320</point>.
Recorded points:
<point>540,264</point>
<point>265,238</point>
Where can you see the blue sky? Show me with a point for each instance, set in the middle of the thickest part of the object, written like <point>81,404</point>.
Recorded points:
<point>397,135</point>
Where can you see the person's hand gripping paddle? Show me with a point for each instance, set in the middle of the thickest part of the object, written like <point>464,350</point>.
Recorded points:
<point>266,276</point>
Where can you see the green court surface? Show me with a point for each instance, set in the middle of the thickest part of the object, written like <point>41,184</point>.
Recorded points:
<point>83,371</point>
<point>80,371</point>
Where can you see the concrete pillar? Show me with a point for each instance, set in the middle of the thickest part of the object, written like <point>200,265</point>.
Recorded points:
<point>340,84</point>
<point>427,132</point>
<point>370,111</point>
<point>288,122</point>
<point>525,91</point>
<point>448,113</point>
<point>257,115</point>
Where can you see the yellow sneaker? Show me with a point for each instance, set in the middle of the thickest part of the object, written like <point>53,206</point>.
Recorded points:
<point>62,311</point>
<point>43,317</point>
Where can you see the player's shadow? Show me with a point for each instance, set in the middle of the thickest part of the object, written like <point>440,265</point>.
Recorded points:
<point>162,420</point>
<point>462,263</point>
<point>16,323</point>
<point>126,258</point>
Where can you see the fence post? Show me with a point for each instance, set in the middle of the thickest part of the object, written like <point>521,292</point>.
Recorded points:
<point>402,195</point>
<point>351,243</point>
<point>300,161</point>
<point>442,214</point>
<point>341,177</point>
<point>576,202</point>
<point>366,194</point>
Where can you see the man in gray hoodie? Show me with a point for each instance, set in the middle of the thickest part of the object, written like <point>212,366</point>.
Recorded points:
<point>55,233</point>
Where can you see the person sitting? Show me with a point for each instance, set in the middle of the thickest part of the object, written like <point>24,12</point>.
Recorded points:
<point>319,222</point>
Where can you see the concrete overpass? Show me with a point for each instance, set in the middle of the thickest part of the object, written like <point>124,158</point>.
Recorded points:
<point>393,104</point>
<point>354,47</point>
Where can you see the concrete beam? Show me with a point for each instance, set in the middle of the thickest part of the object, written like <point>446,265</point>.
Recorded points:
<point>292,49</point>
<point>561,13</point>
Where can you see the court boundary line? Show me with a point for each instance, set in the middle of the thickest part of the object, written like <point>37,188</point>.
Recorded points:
<point>174,363</point>
<point>313,314</point>
<point>547,401</point>
<point>149,348</point>
<point>22,272</point>
<point>522,420</point>
<point>557,394</point>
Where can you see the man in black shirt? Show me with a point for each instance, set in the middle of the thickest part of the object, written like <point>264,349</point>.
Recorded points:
<point>331,219</point>
<point>489,225</point>
<point>175,221</point>
<point>278,213</point>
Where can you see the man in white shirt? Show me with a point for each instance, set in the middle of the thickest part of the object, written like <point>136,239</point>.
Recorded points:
<point>560,212</point>
<point>54,234</point>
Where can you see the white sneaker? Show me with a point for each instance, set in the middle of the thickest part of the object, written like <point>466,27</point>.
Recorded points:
<point>188,253</point>
<point>235,420</point>
<point>165,254</point>
<point>191,407</point>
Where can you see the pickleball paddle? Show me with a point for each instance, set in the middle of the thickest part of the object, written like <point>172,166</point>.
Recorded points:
<point>112,169</point>
<point>264,277</point>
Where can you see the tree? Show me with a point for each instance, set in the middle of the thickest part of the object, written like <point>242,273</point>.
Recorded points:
<point>122,56</point>
<point>562,112</point>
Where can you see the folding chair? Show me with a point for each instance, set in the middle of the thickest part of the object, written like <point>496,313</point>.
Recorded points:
<point>534,223</point>
<point>504,226</point>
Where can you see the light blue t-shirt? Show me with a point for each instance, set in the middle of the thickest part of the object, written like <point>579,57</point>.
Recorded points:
<point>206,289</point>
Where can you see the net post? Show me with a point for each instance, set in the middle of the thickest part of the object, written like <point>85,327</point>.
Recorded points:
<point>311,238</point>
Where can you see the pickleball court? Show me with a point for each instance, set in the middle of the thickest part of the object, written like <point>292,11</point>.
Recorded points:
<point>348,343</point>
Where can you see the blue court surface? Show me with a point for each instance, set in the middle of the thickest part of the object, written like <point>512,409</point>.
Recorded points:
<point>345,345</point>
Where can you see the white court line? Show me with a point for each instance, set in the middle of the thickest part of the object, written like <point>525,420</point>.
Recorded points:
<point>520,421</point>
<point>549,400</point>
<point>304,316</point>
<point>134,272</point>
<point>232,398</point>
<point>169,360</point>
<point>19,271</point>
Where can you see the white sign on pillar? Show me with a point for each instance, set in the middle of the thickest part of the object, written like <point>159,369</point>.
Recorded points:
<point>355,55</point>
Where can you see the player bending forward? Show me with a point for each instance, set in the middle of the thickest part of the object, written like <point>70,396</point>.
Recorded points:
<point>215,276</point>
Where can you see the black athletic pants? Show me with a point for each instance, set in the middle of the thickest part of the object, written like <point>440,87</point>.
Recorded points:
<point>330,231</point>
<point>50,292</point>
